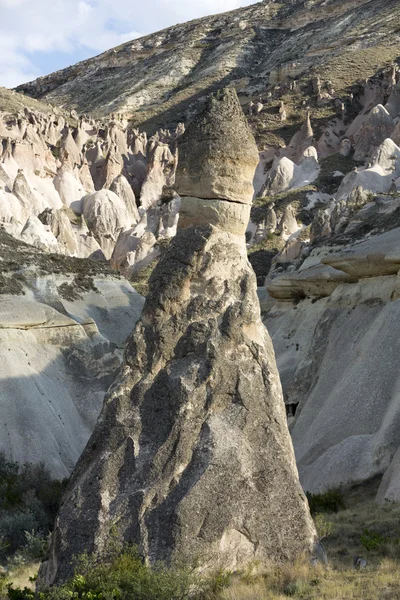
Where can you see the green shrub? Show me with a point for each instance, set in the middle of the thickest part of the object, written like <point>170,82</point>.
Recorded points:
<point>124,576</point>
<point>323,526</point>
<point>13,527</point>
<point>331,501</point>
<point>29,501</point>
<point>371,540</point>
<point>19,594</point>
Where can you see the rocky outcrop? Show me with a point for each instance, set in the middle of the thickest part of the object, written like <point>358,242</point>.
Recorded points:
<point>62,324</point>
<point>334,328</point>
<point>47,166</point>
<point>191,457</point>
<point>378,126</point>
<point>107,216</point>
<point>255,48</point>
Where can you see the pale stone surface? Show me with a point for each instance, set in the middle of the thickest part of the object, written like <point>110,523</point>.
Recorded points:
<point>379,255</point>
<point>375,129</point>
<point>106,215</point>
<point>61,327</point>
<point>317,281</point>
<point>385,166</point>
<point>338,364</point>
<point>37,234</point>
<point>50,364</point>
<point>228,216</point>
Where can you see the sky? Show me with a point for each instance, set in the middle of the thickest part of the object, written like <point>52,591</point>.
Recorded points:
<point>38,37</point>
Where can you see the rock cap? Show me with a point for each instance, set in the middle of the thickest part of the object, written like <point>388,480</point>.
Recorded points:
<point>217,153</point>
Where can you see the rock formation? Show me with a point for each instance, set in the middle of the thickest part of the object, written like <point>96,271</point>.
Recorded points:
<point>62,321</point>
<point>146,88</point>
<point>191,457</point>
<point>101,171</point>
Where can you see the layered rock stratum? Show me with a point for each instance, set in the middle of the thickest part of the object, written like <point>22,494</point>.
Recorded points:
<point>191,457</point>
<point>156,79</point>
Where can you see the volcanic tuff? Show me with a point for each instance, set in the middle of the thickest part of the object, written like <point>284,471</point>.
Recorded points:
<point>321,89</point>
<point>63,322</point>
<point>156,79</point>
<point>191,457</point>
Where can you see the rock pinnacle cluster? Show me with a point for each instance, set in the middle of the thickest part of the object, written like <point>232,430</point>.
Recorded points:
<point>191,456</point>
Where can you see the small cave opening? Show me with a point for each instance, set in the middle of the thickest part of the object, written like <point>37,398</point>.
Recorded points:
<point>291,409</point>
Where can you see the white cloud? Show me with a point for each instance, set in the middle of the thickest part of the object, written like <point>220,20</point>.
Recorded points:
<point>30,31</point>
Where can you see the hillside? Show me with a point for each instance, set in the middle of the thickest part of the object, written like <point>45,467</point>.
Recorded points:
<point>259,49</point>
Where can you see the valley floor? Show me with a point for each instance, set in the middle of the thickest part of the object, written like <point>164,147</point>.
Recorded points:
<point>360,528</point>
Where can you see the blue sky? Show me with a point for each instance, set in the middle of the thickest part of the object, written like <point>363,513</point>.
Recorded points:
<point>41,36</point>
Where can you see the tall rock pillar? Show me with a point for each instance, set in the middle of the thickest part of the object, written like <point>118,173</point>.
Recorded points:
<point>191,456</point>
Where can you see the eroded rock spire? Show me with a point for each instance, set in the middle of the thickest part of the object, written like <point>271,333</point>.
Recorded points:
<point>191,457</point>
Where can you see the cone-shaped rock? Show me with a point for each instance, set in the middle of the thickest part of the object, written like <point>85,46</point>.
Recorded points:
<point>191,457</point>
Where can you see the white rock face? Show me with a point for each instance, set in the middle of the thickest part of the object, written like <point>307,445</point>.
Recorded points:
<point>379,177</point>
<point>375,129</point>
<point>56,369</point>
<point>336,353</point>
<point>45,164</point>
<point>63,325</point>
<point>286,175</point>
<point>37,234</point>
<point>107,216</point>
<point>50,364</point>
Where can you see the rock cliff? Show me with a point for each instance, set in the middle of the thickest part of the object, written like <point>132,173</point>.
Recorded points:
<point>63,324</point>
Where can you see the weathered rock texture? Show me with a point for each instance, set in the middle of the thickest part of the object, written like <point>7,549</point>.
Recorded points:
<point>334,322</point>
<point>62,324</point>
<point>84,181</point>
<point>191,457</point>
<point>254,48</point>
<point>217,154</point>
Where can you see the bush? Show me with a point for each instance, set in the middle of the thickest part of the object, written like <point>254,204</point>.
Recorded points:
<point>29,501</point>
<point>125,577</point>
<point>331,501</point>
<point>13,527</point>
<point>371,540</point>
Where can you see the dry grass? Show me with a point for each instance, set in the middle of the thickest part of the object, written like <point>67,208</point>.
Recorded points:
<point>353,64</point>
<point>20,576</point>
<point>320,583</point>
<point>11,102</point>
<point>380,580</point>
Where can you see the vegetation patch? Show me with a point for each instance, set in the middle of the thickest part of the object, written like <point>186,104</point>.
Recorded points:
<point>326,182</point>
<point>140,279</point>
<point>354,63</point>
<point>124,576</point>
<point>331,501</point>
<point>74,290</point>
<point>15,255</point>
<point>29,500</point>
<point>297,198</point>
<point>11,284</point>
